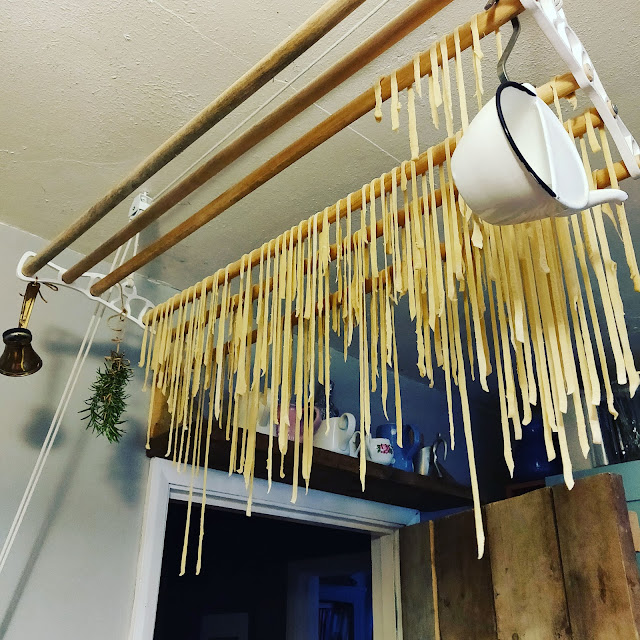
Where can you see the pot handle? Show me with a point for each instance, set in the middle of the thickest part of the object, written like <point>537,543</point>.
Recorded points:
<point>354,445</point>
<point>350,423</point>
<point>602,196</point>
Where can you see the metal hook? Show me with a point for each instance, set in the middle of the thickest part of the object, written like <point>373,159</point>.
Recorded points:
<point>502,63</point>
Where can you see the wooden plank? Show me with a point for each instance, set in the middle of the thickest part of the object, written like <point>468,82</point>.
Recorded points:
<point>418,616</point>
<point>465,589</point>
<point>160,418</point>
<point>336,473</point>
<point>599,565</point>
<point>635,530</point>
<point>526,569</point>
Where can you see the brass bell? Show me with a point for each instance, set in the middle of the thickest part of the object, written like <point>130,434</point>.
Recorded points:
<point>19,358</point>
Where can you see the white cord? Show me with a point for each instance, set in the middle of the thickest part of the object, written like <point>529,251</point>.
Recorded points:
<point>286,86</point>
<point>94,323</point>
<point>54,427</point>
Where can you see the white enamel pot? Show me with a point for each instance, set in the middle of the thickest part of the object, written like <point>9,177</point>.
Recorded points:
<point>516,163</point>
<point>335,434</point>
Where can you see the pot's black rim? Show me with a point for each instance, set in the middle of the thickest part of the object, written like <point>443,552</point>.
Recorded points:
<point>512,142</point>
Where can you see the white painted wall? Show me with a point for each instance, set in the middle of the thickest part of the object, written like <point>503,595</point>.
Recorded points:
<point>72,569</point>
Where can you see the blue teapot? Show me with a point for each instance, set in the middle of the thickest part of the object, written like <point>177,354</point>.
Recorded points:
<point>411,439</point>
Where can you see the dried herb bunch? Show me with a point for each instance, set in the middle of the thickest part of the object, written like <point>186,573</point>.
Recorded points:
<point>108,398</point>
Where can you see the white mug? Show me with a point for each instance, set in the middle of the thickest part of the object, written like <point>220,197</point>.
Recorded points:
<point>335,434</point>
<point>516,163</point>
<point>377,450</point>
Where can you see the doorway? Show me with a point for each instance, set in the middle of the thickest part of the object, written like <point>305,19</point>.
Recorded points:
<point>324,510</point>
<point>254,571</point>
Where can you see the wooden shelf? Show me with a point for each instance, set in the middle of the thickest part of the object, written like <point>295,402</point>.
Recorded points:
<point>340,474</point>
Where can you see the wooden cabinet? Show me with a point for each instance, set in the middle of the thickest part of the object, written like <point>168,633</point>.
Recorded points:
<point>558,565</point>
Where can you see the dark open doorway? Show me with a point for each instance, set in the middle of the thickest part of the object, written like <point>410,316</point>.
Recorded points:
<point>246,586</point>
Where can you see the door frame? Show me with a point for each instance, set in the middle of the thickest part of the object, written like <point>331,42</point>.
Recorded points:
<point>165,483</point>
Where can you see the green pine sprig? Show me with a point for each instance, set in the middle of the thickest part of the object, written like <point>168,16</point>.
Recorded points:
<point>108,400</point>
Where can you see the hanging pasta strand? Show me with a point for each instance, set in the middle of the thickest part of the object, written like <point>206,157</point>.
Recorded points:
<point>604,269</point>
<point>373,245</point>
<point>593,140</point>
<point>453,218</point>
<point>308,443</point>
<point>396,379</point>
<point>395,236</point>
<point>446,87</point>
<point>558,294</point>
<point>413,127</point>
<point>327,352</point>
<point>417,76</point>
<point>630,254</point>
<point>475,309</point>
<point>462,92</point>
<point>300,341</point>
<point>466,420</point>
<point>220,344</point>
<point>477,60</point>
<point>542,369</point>
<point>395,103</point>
<point>377,90</point>
<point>435,94</point>
<point>349,276</point>
<point>493,269</point>
<point>504,418</point>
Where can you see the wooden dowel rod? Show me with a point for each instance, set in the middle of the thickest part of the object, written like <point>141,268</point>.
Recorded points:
<point>488,22</point>
<point>567,85</point>
<point>403,24</point>
<point>314,28</point>
<point>601,176</point>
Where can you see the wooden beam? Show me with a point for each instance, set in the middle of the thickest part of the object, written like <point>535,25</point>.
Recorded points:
<point>488,22</point>
<point>314,28</point>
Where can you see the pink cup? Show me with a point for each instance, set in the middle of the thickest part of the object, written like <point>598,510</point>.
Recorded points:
<point>293,421</point>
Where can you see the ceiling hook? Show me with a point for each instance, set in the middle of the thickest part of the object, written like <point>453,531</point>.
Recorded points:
<point>502,63</point>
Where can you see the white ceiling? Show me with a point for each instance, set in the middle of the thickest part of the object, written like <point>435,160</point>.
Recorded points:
<point>89,88</point>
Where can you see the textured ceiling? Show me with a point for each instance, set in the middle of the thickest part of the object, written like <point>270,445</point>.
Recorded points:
<point>89,88</point>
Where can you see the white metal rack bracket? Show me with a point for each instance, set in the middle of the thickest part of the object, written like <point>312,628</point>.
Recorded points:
<point>129,301</point>
<point>552,20</point>
<point>134,305</point>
